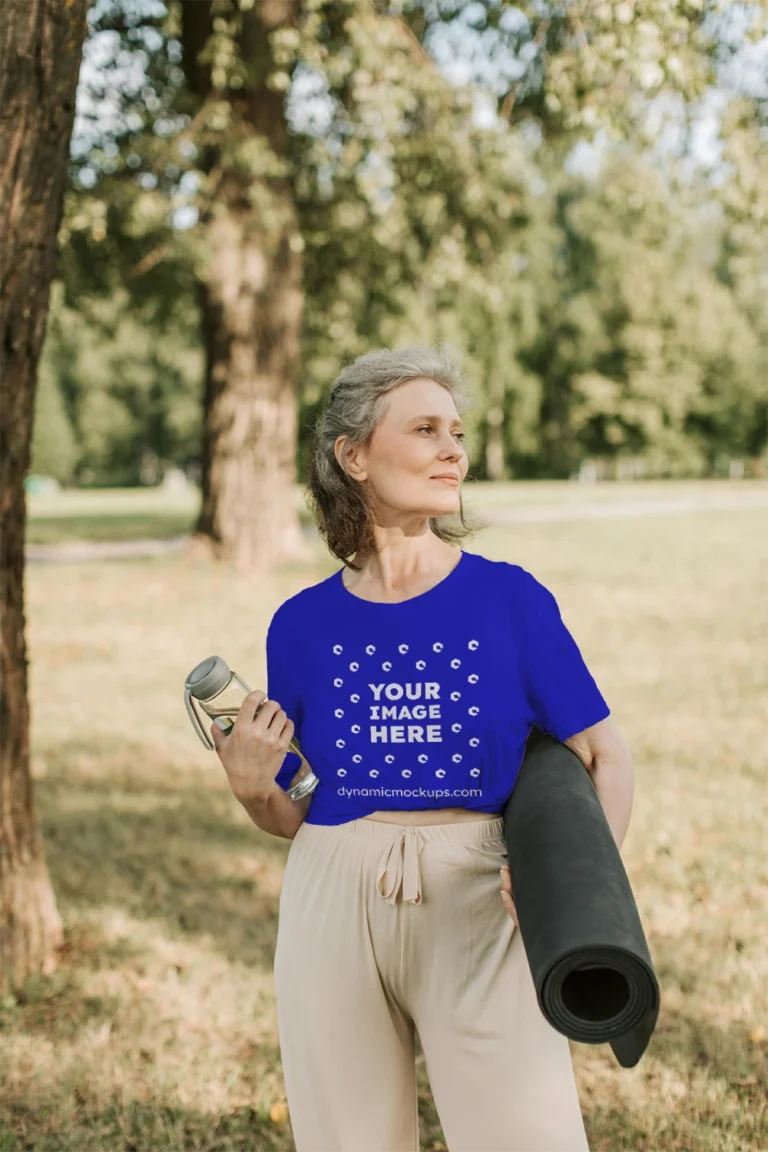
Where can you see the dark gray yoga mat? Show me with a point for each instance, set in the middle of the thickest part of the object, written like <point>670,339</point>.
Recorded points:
<point>576,913</point>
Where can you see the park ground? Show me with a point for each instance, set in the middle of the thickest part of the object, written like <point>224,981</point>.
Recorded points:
<point>158,1031</point>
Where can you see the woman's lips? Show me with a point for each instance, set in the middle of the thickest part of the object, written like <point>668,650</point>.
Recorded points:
<point>447,479</point>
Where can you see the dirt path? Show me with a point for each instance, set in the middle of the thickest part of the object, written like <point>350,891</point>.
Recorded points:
<point>75,550</point>
<point>624,509</point>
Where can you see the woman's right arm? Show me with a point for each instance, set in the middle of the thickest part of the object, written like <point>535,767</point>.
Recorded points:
<point>276,813</point>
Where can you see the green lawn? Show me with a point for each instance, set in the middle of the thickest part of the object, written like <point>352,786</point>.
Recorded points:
<point>130,513</point>
<point>158,1033</point>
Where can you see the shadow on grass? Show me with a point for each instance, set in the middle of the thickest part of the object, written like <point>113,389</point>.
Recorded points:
<point>115,526</point>
<point>141,1126</point>
<point>122,831</point>
<point>156,1127</point>
<point>688,1039</point>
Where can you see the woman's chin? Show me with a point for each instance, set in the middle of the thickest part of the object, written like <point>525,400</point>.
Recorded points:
<point>444,507</point>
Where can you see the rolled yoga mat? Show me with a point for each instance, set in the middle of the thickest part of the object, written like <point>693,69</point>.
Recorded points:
<point>575,910</point>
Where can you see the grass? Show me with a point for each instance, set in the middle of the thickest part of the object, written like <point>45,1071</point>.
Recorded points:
<point>110,514</point>
<point>158,1031</point>
<point>128,513</point>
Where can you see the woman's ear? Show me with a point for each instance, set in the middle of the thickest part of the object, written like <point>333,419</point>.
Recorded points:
<point>351,459</point>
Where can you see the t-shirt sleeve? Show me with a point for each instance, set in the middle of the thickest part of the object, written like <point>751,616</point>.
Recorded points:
<point>561,691</point>
<point>283,687</point>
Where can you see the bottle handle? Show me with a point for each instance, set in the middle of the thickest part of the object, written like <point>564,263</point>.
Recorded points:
<point>204,737</point>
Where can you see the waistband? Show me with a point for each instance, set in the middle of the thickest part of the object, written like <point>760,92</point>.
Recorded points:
<point>398,867</point>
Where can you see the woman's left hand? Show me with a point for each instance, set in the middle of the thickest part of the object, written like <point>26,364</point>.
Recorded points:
<point>506,892</point>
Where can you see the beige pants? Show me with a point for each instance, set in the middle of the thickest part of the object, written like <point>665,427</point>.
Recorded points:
<point>385,928</point>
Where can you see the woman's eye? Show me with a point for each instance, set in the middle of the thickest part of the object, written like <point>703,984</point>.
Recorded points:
<point>428,427</point>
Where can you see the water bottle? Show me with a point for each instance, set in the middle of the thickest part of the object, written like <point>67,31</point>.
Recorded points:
<point>213,691</point>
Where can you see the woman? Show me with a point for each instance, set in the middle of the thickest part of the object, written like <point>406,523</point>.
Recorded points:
<point>412,678</point>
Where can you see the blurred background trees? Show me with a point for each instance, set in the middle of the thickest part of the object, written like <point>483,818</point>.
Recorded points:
<point>261,191</point>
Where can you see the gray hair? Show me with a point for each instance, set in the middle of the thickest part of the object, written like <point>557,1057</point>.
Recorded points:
<point>354,408</point>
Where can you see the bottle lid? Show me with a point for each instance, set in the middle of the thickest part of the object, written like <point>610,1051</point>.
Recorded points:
<point>208,677</point>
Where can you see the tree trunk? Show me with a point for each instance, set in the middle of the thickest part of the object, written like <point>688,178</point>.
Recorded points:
<point>251,306</point>
<point>40,56</point>
<point>252,302</point>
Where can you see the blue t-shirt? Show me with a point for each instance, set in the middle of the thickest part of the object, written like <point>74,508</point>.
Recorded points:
<point>427,703</point>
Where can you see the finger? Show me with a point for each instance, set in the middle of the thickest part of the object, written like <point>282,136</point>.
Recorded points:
<point>267,710</point>
<point>250,707</point>
<point>509,904</point>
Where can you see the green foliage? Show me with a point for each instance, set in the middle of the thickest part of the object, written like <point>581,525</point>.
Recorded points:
<point>624,315</point>
<point>54,449</point>
<point>660,359</point>
<point>131,387</point>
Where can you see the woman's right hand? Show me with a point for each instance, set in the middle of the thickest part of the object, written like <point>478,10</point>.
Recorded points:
<point>255,748</point>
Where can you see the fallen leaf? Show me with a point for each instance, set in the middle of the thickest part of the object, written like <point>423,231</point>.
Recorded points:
<point>278,1113</point>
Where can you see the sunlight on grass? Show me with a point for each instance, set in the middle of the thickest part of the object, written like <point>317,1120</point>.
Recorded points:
<point>107,514</point>
<point>158,1031</point>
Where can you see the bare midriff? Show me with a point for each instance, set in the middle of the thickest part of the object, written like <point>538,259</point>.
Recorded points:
<point>433,816</point>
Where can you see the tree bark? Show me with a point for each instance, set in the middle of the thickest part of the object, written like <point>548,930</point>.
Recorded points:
<point>40,52</point>
<point>252,301</point>
<point>251,307</point>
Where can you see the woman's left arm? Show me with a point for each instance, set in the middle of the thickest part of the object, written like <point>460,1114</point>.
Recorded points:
<point>605,753</point>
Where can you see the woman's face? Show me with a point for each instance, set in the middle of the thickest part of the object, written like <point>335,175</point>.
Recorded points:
<point>418,438</point>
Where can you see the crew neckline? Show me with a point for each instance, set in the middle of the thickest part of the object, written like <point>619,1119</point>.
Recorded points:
<point>442,585</point>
